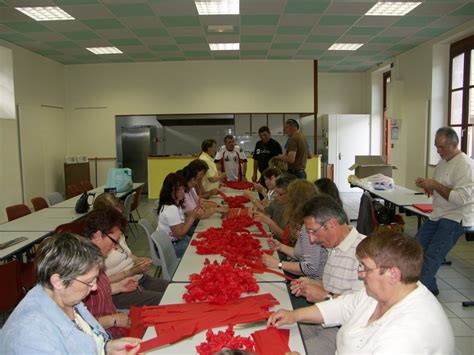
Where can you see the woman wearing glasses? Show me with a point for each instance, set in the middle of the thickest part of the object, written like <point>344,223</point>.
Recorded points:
<point>394,313</point>
<point>51,319</point>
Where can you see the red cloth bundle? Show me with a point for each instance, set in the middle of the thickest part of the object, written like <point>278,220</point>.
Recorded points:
<point>178,321</point>
<point>215,342</point>
<point>236,201</point>
<point>237,223</point>
<point>239,185</point>
<point>219,283</point>
<point>271,341</point>
<point>424,207</point>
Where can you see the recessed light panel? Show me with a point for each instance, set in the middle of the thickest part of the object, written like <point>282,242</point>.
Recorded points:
<point>345,46</point>
<point>397,8</point>
<point>224,46</point>
<point>104,50</point>
<point>218,7</point>
<point>220,28</point>
<point>48,13</point>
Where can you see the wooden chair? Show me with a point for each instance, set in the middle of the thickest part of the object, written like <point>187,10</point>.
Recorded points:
<point>17,211</point>
<point>11,285</point>
<point>135,203</point>
<point>76,227</point>
<point>86,185</point>
<point>73,190</point>
<point>39,203</point>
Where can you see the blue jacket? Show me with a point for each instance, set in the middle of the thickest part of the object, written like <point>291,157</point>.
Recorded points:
<point>39,326</point>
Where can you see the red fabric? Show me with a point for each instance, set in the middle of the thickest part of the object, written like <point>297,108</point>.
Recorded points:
<point>239,185</point>
<point>285,238</point>
<point>271,341</point>
<point>424,207</point>
<point>236,201</point>
<point>227,339</point>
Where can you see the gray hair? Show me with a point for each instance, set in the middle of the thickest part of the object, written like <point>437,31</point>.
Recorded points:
<point>284,180</point>
<point>68,255</point>
<point>450,134</point>
<point>322,208</point>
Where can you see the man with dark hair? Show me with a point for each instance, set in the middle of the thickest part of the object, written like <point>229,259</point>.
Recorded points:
<point>231,160</point>
<point>453,204</point>
<point>265,149</point>
<point>212,178</point>
<point>296,151</point>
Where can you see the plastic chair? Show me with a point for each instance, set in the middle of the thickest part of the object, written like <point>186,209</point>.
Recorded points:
<point>135,203</point>
<point>155,257</point>
<point>54,198</point>
<point>17,211</point>
<point>169,260</point>
<point>10,281</point>
<point>76,227</point>
<point>73,190</point>
<point>127,205</point>
<point>39,203</point>
<point>86,185</point>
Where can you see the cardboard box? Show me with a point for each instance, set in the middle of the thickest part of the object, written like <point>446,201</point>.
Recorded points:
<point>367,165</point>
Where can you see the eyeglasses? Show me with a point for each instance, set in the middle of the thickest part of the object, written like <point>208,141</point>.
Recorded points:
<point>116,242</point>
<point>365,269</point>
<point>315,232</point>
<point>279,193</point>
<point>90,284</point>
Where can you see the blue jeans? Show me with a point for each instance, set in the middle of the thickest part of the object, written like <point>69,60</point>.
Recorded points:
<point>437,238</point>
<point>181,245</point>
<point>299,173</point>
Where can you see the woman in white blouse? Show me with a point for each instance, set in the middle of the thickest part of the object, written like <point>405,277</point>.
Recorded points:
<point>393,314</point>
<point>171,217</point>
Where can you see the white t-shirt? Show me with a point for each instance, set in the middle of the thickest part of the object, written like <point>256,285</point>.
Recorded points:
<point>415,325</point>
<point>458,175</point>
<point>231,162</point>
<point>170,215</point>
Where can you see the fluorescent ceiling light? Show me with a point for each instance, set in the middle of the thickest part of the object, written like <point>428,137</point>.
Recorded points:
<point>345,46</point>
<point>48,13</point>
<point>218,7</point>
<point>392,8</point>
<point>220,28</point>
<point>104,50</point>
<point>224,46</point>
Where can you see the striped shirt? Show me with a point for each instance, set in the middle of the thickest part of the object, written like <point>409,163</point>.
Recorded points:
<point>311,256</point>
<point>340,274</point>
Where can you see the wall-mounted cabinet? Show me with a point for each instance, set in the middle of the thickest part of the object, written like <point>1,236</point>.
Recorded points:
<point>258,120</point>
<point>249,123</point>
<point>242,124</point>
<point>275,123</point>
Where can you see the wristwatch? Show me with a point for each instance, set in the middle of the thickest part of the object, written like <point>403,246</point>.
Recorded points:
<point>280,265</point>
<point>330,296</point>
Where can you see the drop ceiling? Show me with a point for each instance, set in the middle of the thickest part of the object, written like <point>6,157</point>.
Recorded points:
<point>172,30</point>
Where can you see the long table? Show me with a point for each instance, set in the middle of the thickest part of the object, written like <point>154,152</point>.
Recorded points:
<point>31,239</point>
<point>173,294</point>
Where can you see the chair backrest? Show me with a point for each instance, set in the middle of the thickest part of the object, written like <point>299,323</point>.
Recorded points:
<point>54,198</point>
<point>11,283</point>
<point>76,227</point>
<point>39,203</point>
<point>169,260</point>
<point>86,185</point>
<point>367,219</point>
<point>17,211</point>
<point>127,204</point>
<point>73,190</point>
<point>147,227</point>
<point>136,200</point>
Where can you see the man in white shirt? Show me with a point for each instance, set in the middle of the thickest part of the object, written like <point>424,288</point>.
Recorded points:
<point>232,160</point>
<point>452,188</point>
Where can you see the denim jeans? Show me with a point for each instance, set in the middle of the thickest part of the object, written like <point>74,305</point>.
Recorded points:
<point>181,245</point>
<point>437,238</point>
<point>299,173</point>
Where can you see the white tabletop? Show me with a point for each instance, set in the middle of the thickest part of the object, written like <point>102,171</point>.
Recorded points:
<point>32,238</point>
<point>400,196</point>
<point>173,295</point>
<point>45,220</point>
<point>71,202</point>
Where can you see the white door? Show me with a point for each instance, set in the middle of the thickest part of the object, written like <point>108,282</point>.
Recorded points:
<point>353,138</point>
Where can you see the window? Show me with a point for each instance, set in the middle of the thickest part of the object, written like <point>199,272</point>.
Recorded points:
<point>461,92</point>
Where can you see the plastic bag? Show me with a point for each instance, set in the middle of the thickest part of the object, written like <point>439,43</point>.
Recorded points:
<point>120,179</point>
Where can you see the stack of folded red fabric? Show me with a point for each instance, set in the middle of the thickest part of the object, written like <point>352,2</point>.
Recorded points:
<point>239,185</point>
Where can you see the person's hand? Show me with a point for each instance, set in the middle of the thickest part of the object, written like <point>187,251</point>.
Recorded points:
<point>270,261</point>
<point>281,317</point>
<point>123,346</point>
<point>140,266</point>
<point>214,192</point>
<point>222,176</point>
<point>259,188</point>
<point>243,178</point>
<point>128,285</point>
<point>312,292</point>
<point>274,244</point>
<point>420,182</point>
<point>249,194</point>
<point>222,209</point>
<point>197,213</point>
<point>262,217</point>
<point>427,184</point>
<point>122,319</point>
<point>254,178</point>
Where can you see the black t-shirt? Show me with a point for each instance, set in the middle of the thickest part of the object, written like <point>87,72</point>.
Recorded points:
<point>264,152</point>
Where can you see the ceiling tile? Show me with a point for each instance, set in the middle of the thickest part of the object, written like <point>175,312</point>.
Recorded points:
<point>315,46</point>
<point>142,55</point>
<point>293,30</point>
<point>141,22</point>
<point>101,24</point>
<point>157,40</point>
<point>25,27</point>
<point>281,53</point>
<point>298,20</point>
<point>401,47</point>
<point>10,14</point>
<point>338,20</point>
<point>62,44</point>
<point>289,38</point>
<point>149,32</point>
<point>306,6</point>
<point>322,39</point>
<point>186,31</point>
<point>329,30</point>
<point>85,12</point>
<point>415,21</point>
<point>14,37</point>
<point>261,6</point>
<point>377,21</point>
<point>190,39</point>
<point>466,10</point>
<point>258,30</point>
<point>130,10</point>
<point>352,8</point>
<point>46,36</point>
<point>172,21</point>
<point>46,52</point>
<point>385,40</point>
<point>21,3</point>
<point>174,7</point>
<point>434,9</point>
<point>93,42</point>
<point>114,34</point>
<point>312,52</point>
<point>172,59</point>
<point>66,26</point>
<point>253,52</point>
<point>164,47</point>
<point>430,32</point>
<point>354,39</point>
<point>197,53</point>
<point>220,20</point>
<point>223,38</point>
<point>285,46</point>
<point>75,2</point>
<point>255,46</point>
<point>259,20</point>
<point>125,42</point>
<point>364,53</point>
<point>256,38</point>
<point>81,35</point>
<point>399,31</point>
<point>364,31</point>
<point>235,31</point>
<point>450,21</point>
<point>378,47</point>
<point>34,46</point>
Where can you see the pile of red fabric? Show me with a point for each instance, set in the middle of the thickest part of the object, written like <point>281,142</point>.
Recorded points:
<point>215,342</point>
<point>239,185</point>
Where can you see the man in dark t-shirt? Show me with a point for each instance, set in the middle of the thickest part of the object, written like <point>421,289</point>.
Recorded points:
<point>265,149</point>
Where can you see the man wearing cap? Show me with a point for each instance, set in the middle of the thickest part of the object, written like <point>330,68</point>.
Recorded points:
<point>296,150</point>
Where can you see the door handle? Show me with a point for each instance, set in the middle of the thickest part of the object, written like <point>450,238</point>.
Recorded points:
<point>339,156</point>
